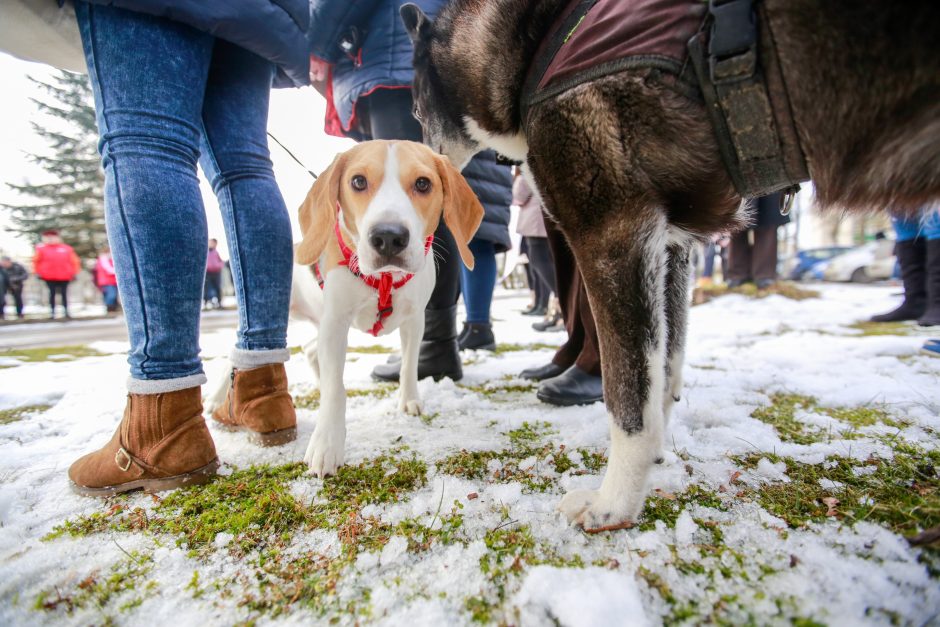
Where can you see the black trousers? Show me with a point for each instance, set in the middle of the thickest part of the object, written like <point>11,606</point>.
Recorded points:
<point>755,262</point>
<point>61,288</point>
<point>542,267</point>
<point>389,116</point>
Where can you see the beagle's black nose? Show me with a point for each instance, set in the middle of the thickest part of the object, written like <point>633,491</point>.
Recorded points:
<point>389,239</point>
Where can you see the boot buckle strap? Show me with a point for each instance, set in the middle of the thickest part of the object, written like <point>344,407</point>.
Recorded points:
<point>123,459</point>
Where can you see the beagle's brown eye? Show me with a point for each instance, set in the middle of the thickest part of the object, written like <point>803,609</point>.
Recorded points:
<point>359,183</point>
<point>423,185</point>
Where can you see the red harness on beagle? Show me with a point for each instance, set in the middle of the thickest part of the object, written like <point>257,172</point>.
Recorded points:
<point>384,283</point>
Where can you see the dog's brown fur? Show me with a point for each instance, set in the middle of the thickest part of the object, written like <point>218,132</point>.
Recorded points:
<point>631,171</point>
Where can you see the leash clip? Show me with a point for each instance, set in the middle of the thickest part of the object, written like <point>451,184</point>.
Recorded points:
<point>789,196</point>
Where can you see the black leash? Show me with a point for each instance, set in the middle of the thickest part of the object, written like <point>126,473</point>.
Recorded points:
<point>292,156</point>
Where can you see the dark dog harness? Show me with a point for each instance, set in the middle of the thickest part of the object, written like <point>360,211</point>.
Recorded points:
<point>384,283</point>
<point>721,53</point>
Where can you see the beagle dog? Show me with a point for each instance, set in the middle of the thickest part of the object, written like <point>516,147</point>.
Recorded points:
<point>365,262</point>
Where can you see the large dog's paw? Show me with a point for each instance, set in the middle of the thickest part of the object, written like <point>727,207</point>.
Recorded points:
<point>411,406</point>
<point>593,512</point>
<point>326,451</point>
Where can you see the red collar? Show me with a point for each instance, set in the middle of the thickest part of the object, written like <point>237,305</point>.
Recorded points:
<point>383,282</point>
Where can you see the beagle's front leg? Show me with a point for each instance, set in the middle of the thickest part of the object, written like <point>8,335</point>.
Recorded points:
<point>411,332</point>
<point>327,444</point>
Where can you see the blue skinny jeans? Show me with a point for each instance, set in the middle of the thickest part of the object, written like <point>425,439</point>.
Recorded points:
<point>166,97</point>
<point>478,284</point>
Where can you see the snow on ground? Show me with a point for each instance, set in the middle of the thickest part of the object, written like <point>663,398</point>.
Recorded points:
<point>489,546</point>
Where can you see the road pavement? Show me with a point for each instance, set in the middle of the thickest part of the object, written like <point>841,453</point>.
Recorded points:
<point>78,331</point>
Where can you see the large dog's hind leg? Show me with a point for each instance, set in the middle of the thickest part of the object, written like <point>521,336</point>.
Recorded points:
<point>624,268</point>
<point>677,320</point>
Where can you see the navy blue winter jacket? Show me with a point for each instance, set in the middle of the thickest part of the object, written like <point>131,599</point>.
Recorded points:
<point>492,183</point>
<point>273,29</point>
<point>381,60</point>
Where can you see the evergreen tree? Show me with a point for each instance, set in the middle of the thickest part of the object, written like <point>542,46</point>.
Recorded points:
<point>72,199</point>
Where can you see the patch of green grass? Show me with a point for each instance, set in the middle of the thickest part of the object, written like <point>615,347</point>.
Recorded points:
<point>509,552</point>
<point>124,580</point>
<point>782,411</point>
<point>901,493</point>
<point>868,328</point>
<point>527,460</point>
<point>15,414</point>
<point>54,353</point>
<point>503,348</point>
<point>255,506</point>
<point>667,507</point>
<point>311,400</point>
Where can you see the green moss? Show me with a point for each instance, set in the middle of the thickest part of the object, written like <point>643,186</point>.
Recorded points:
<point>311,400</point>
<point>53,353</point>
<point>16,414</point>
<point>124,580</point>
<point>873,329</point>
<point>503,348</point>
<point>901,493</point>
<point>782,411</point>
<point>544,461</point>
<point>500,390</point>
<point>668,507</point>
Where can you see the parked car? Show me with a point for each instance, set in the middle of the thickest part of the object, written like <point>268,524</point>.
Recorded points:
<point>799,267</point>
<point>869,262</point>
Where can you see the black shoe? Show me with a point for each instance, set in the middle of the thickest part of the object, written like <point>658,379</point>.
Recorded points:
<point>912,256</point>
<point>572,387</point>
<point>439,356</point>
<point>536,311</point>
<point>931,317</point>
<point>549,325</point>
<point>542,372</point>
<point>477,336</point>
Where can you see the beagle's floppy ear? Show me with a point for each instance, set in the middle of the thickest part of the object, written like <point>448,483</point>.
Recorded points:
<point>462,209</point>
<point>318,213</point>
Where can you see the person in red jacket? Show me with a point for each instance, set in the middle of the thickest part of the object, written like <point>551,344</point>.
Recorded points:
<point>106,279</point>
<point>56,263</point>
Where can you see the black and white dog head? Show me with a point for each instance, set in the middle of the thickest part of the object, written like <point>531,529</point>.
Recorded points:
<point>436,104</point>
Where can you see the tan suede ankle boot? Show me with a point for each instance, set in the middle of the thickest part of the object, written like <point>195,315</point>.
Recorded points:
<point>258,402</point>
<point>162,443</point>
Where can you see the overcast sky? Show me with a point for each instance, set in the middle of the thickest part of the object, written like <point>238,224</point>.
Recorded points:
<point>296,119</point>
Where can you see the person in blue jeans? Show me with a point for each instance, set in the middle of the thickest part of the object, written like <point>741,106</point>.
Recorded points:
<point>178,83</point>
<point>918,253</point>
<point>492,185</point>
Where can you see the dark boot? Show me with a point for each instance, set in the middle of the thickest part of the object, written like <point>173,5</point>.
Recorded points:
<point>477,336</point>
<point>439,356</point>
<point>912,255</point>
<point>931,317</point>
<point>540,373</point>
<point>572,387</point>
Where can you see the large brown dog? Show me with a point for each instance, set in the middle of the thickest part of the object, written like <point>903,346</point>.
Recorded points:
<point>629,165</point>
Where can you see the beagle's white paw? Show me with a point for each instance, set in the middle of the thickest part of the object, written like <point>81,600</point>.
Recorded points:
<point>412,406</point>
<point>326,450</point>
<point>593,512</point>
